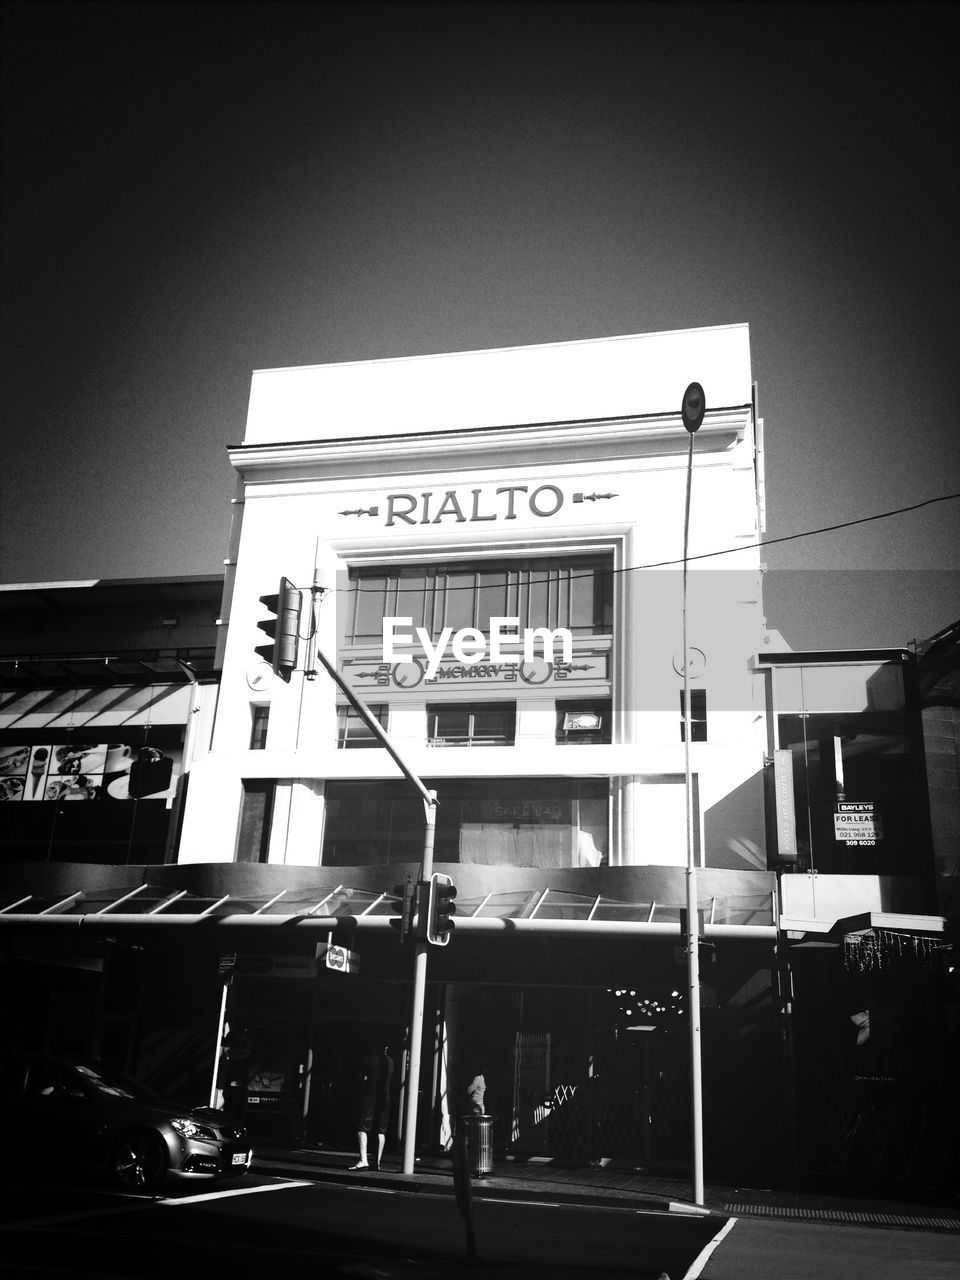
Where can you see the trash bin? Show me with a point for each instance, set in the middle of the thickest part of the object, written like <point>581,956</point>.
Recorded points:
<point>479,1131</point>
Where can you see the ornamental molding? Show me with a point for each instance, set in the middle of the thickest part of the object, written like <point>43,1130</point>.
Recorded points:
<point>463,450</point>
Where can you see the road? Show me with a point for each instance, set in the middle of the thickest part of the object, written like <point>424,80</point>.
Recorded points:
<point>758,1249</point>
<point>269,1227</point>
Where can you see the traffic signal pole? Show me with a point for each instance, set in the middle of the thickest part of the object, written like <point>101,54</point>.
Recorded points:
<point>412,1099</point>
<point>420,964</point>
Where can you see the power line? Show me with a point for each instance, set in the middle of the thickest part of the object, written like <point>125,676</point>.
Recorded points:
<point>707,555</point>
<point>808,533</point>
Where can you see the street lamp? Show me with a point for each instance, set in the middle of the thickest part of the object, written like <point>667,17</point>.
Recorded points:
<point>692,410</point>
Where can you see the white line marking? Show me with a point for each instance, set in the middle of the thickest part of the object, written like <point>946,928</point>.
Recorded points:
<point>531,1204</point>
<point>696,1267</point>
<point>238,1191</point>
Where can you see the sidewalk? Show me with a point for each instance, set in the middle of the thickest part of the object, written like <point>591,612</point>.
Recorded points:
<point>617,1185</point>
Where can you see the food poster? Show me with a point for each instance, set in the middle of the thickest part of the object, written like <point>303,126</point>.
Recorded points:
<point>13,771</point>
<point>88,771</point>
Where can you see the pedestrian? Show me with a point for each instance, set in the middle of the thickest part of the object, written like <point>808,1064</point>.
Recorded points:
<point>376,1078</point>
<point>476,1089</point>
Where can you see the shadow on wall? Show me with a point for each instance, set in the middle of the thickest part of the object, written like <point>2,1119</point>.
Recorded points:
<point>734,828</point>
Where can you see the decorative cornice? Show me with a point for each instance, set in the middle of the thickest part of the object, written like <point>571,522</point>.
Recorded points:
<point>593,441</point>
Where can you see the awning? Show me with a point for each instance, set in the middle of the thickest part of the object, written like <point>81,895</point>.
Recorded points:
<point>150,907</point>
<point>116,667</point>
<point>100,706</point>
<point>835,931</point>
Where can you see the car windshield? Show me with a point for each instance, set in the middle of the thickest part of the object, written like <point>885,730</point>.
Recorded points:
<point>116,1083</point>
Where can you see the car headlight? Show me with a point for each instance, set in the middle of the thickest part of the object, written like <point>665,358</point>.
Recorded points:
<point>190,1129</point>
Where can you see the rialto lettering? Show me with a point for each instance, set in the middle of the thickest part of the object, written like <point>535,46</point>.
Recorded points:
<point>469,645</point>
<point>472,506</point>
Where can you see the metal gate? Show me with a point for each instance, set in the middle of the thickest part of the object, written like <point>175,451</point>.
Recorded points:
<point>602,1095</point>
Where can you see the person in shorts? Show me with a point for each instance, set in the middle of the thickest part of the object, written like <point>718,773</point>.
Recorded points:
<point>376,1078</point>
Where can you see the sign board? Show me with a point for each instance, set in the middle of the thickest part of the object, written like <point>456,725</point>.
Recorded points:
<point>786,813</point>
<point>857,823</point>
<point>339,959</point>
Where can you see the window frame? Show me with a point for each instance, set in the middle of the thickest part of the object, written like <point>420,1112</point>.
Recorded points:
<point>472,710</point>
<point>347,716</point>
<point>538,590</point>
<point>590,737</point>
<point>698,716</point>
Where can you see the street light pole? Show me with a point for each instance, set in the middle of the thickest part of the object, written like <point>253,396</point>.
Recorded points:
<point>694,406</point>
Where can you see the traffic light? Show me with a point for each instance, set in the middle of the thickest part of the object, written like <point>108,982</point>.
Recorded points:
<point>406,922</point>
<point>283,629</point>
<point>440,909</point>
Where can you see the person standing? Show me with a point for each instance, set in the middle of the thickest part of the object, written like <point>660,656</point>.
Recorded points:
<point>376,1078</point>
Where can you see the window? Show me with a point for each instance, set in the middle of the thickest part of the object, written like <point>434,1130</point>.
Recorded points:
<point>575,592</point>
<point>859,793</point>
<point>583,722</point>
<point>486,724</point>
<point>521,822</point>
<point>260,715</point>
<point>256,811</point>
<point>698,715</point>
<point>353,732</point>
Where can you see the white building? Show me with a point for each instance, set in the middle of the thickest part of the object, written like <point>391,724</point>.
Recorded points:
<point>545,484</point>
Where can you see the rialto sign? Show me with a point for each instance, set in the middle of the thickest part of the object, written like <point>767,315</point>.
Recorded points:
<point>472,506</point>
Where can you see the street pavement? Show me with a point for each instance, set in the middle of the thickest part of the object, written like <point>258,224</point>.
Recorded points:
<point>618,1184</point>
<point>306,1211</point>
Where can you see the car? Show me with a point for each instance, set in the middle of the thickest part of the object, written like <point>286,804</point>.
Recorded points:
<point>63,1113</point>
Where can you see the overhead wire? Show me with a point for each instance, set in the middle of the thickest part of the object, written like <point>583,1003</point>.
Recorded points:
<point>707,555</point>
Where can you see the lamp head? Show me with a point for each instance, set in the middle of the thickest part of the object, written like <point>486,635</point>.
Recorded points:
<point>693,407</point>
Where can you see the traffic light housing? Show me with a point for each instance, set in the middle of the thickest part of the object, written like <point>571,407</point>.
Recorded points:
<point>440,909</point>
<point>409,896</point>
<point>283,629</point>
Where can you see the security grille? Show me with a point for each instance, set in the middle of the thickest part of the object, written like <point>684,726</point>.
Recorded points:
<point>603,1095</point>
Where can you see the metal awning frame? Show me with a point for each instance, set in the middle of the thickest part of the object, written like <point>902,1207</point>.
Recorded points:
<point>368,911</point>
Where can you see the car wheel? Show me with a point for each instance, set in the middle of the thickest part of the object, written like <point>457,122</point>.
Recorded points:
<point>139,1161</point>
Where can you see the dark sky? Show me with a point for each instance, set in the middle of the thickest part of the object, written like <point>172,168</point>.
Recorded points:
<point>194,191</point>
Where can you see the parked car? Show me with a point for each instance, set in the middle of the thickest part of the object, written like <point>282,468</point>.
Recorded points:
<point>63,1113</point>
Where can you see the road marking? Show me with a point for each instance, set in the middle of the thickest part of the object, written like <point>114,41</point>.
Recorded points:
<point>533,1204</point>
<point>700,1261</point>
<point>237,1191</point>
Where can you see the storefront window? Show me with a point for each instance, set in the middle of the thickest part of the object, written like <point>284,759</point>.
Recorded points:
<point>575,593</point>
<point>856,768</point>
<point>524,822</point>
<point>69,797</point>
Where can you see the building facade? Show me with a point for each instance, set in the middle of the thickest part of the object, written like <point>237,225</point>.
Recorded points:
<point>107,693</point>
<point>868,937</point>
<point>488,547</point>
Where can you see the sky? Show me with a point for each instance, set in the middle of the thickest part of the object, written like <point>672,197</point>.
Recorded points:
<point>194,191</point>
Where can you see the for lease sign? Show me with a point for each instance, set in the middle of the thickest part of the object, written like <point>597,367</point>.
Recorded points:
<point>857,822</point>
